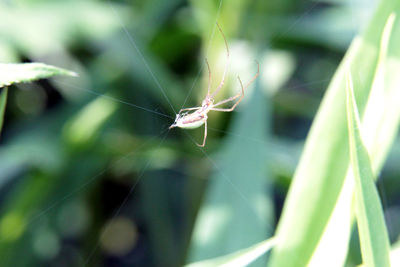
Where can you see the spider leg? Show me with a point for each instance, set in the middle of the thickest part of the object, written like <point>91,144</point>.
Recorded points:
<point>236,96</point>
<point>225,101</point>
<point>226,64</point>
<point>195,108</point>
<point>205,135</point>
<point>230,99</point>
<point>255,76</point>
<point>209,77</point>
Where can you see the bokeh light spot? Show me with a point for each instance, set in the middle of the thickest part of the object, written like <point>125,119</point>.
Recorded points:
<point>46,243</point>
<point>119,236</point>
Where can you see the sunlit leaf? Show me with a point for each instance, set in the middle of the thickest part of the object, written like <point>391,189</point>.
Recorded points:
<point>374,238</point>
<point>323,167</point>
<point>380,123</point>
<point>28,72</point>
<point>239,258</point>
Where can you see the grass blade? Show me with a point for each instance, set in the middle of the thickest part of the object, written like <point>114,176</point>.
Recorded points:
<point>27,72</point>
<point>374,238</point>
<point>380,123</point>
<point>323,166</point>
<point>239,258</point>
<point>3,103</point>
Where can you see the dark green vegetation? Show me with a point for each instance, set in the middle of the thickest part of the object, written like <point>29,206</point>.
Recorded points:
<point>90,175</point>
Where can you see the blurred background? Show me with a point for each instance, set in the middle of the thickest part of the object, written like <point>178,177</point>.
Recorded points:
<point>90,175</point>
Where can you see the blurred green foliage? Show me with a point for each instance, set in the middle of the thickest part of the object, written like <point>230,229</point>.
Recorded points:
<point>91,175</point>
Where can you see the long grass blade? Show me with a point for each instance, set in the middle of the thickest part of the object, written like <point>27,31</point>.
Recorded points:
<point>321,173</point>
<point>374,238</point>
<point>380,121</point>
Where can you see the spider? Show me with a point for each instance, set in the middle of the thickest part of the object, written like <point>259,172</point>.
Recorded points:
<point>199,117</point>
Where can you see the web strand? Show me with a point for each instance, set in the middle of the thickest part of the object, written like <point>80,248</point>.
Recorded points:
<point>128,195</point>
<point>91,180</point>
<point>288,29</point>
<point>207,51</point>
<point>113,99</point>
<point>133,43</point>
<point>237,190</point>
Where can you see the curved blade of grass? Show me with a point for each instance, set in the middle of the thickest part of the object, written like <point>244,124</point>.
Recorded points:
<point>28,72</point>
<point>374,238</point>
<point>323,166</point>
<point>239,258</point>
<point>380,123</point>
<point>3,103</point>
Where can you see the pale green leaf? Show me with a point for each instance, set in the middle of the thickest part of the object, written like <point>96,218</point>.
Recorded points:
<point>321,173</point>
<point>239,258</point>
<point>380,123</point>
<point>28,72</point>
<point>374,238</point>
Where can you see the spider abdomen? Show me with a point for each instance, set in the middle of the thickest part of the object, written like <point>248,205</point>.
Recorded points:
<point>192,122</point>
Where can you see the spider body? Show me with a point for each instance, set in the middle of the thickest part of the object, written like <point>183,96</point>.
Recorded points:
<point>195,119</point>
<point>190,121</point>
<point>199,116</point>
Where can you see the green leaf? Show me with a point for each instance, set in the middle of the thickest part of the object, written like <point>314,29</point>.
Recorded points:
<point>3,103</point>
<point>380,123</point>
<point>374,238</point>
<point>323,167</point>
<point>28,72</point>
<point>239,258</point>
